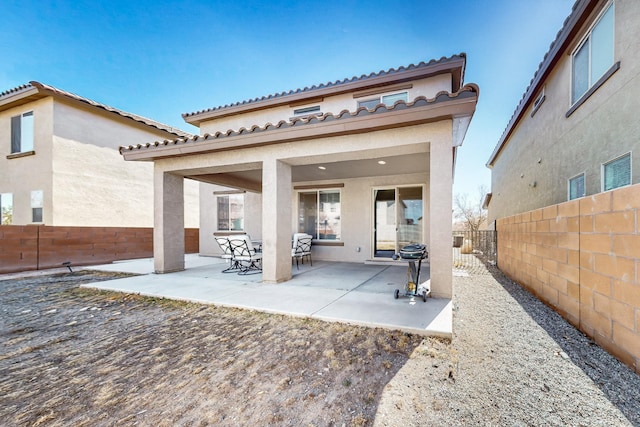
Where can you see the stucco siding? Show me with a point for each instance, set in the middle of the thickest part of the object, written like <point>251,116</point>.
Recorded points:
<point>545,150</point>
<point>356,219</point>
<point>209,214</point>
<point>20,176</point>
<point>89,189</point>
<point>428,88</point>
<point>83,179</point>
<point>356,193</point>
<point>92,184</point>
<point>101,128</point>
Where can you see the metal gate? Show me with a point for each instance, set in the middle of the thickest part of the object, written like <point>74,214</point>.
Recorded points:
<point>475,249</point>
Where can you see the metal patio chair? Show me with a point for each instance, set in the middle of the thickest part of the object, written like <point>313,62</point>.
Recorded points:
<point>244,254</point>
<point>227,254</point>
<point>301,248</point>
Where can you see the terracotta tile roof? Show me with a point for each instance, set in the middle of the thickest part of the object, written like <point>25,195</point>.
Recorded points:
<point>468,91</point>
<point>43,90</point>
<point>15,90</point>
<point>338,83</point>
<point>579,13</point>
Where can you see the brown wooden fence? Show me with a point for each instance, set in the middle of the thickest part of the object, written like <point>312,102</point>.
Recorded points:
<point>37,247</point>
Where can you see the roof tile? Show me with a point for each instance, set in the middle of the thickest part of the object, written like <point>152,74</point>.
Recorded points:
<point>466,91</point>
<point>330,84</point>
<point>43,88</point>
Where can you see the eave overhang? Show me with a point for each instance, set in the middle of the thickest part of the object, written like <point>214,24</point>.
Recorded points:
<point>456,106</point>
<point>454,65</point>
<point>34,91</point>
<point>580,13</point>
<point>19,96</point>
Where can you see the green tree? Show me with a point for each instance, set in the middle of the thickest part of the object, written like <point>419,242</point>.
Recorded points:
<point>7,216</point>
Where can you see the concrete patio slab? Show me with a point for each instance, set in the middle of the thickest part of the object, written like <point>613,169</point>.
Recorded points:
<point>340,292</point>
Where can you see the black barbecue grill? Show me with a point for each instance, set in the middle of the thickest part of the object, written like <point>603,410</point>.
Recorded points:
<point>413,253</point>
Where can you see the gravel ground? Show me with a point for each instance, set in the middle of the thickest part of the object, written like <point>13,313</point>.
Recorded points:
<point>515,362</point>
<point>71,356</point>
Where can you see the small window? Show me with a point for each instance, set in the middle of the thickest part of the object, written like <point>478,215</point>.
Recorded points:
<point>576,187</point>
<point>594,56</point>
<point>22,133</point>
<point>307,110</point>
<point>6,208</point>
<point>538,102</point>
<point>388,100</point>
<point>231,212</point>
<point>369,104</point>
<point>36,214</point>
<point>616,173</point>
<point>37,203</point>
<point>319,214</point>
<point>392,99</point>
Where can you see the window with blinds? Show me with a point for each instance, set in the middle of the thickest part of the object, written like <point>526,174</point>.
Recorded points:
<point>616,173</point>
<point>576,187</point>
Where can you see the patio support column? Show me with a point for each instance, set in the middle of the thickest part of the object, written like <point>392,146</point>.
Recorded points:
<point>440,228</point>
<point>168,229</point>
<point>276,221</point>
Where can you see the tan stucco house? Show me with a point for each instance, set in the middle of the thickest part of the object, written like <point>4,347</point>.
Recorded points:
<point>365,165</point>
<point>60,164</point>
<point>575,131</point>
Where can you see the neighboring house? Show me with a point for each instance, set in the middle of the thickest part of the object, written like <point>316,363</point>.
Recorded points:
<point>575,131</point>
<point>60,164</point>
<point>365,165</point>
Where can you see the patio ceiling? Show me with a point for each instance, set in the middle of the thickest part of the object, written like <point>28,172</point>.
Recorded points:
<point>251,179</point>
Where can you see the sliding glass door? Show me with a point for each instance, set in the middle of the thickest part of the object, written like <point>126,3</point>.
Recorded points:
<point>398,219</point>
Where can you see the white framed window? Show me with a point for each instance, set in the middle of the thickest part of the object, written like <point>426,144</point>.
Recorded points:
<point>538,102</point>
<point>576,187</point>
<point>387,100</point>
<point>22,133</point>
<point>594,56</point>
<point>319,213</point>
<point>617,172</point>
<point>230,209</point>
<point>6,208</point>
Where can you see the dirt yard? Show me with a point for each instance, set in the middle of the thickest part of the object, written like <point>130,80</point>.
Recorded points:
<point>74,356</point>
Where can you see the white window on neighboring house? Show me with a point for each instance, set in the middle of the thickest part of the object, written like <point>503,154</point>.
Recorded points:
<point>616,173</point>
<point>576,187</point>
<point>37,203</point>
<point>22,133</point>
<point>594,57</point>
<point>319,214</point>
<point>538,102</point>
<point>6,208</point>
<point>230,208</point>
<point>388,100</point>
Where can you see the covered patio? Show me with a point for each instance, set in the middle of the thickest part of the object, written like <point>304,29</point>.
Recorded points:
<point>380,148</point>
<point>360,294</point>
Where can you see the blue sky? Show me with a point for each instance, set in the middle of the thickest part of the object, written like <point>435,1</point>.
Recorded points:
<point>162,58</point>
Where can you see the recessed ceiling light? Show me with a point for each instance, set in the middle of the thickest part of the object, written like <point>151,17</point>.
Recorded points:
<point>322,168</point>
<point>382,162</point>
